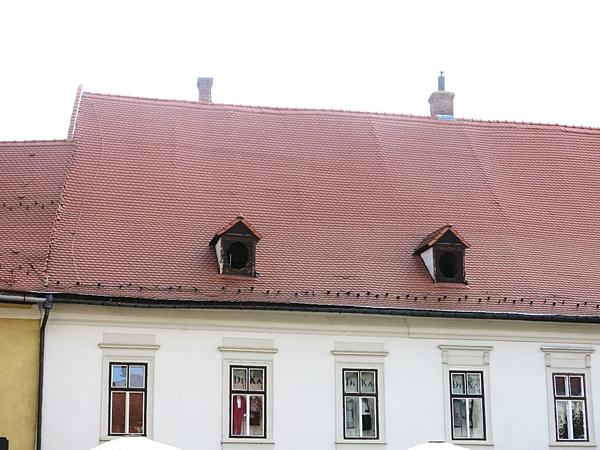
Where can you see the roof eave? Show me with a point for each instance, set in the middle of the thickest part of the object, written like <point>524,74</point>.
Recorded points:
<point>127,302</point>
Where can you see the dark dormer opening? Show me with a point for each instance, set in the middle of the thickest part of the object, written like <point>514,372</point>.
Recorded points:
<point>443,253</point>
<point>449,265</point>
<point>237,255</point>
<point>235,247</point>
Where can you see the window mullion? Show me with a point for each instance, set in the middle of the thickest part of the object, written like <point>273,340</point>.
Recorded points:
<point>360,415</point>
<point>127,412</point>
<point>127,399</point>
<point>247,418</point>
<point>468,417</point>
<point>570,419</point>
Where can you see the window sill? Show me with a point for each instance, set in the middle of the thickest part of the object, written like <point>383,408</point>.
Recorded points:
<point>471,443</point>
<point>572,444</point>
<point>361,442</point>
<point>258,441</point>
<point>105,438</point>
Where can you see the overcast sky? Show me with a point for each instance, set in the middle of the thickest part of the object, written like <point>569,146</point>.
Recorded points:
<point>532,61</point>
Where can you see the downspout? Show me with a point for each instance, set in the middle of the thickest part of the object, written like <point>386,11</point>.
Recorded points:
<point>47,307</point>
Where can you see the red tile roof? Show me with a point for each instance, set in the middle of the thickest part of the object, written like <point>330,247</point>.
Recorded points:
<point>32,175</point>
<point>342,199</point>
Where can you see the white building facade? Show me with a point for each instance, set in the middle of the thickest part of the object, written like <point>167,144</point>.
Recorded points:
<point>504,384</point>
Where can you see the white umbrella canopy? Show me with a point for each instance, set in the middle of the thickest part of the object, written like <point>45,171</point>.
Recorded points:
<point>438,445</point>
<point>134,443</point>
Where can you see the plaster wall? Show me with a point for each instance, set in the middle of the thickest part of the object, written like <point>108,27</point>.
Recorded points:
<point>18,376</point>
<point>188,376</point>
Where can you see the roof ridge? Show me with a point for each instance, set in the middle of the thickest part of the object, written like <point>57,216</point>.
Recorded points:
<point>59,208</point>
<point>35,141</point>
<point>73,122</point>
<point>542,124</point>
<point>339,111</point>
<point>258,107</point>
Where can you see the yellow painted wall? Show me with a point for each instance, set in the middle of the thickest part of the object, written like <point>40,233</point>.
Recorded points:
<point>19,344</point>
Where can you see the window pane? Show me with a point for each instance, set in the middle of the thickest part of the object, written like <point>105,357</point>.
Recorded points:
<point>238,415</point>
<point>136,413</point>
<point>459,418</point>
<point>256,415</point>
<point>369,427</point>
<point>119,376</point>
<point>352,416</point>
<point>257,377</point>
<point>474,384</point>
<point>136,376</point>
<point>351,381</point>
<point>561,420</point>
<point>576,385</point>
<point>578,419</point>
<point>367,382</point>
<point>458,383</point>
<point>560,386</point>
<point>117,413</point>
<point>239,379</point>
<point>475,418</point>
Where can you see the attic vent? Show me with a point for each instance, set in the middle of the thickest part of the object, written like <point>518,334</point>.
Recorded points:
<point>443,253</point>
<point>235,247</point>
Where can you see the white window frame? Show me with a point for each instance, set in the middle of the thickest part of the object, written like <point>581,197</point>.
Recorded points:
<point>247,393</point>
<point>360,396</point>
<point>569,361</point>
<point>359,356</point>
<point>570,400</point>
<point>119,348</point>
<point>248,353</point>
<point>467,358</point>
<point>127,390</point>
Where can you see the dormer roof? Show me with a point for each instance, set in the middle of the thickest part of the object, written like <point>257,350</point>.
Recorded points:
<point>437,235</point>
<point>231,226</point>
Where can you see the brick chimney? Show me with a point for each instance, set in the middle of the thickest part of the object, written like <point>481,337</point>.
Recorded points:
<point>441,102</point>
<point>204,90</point>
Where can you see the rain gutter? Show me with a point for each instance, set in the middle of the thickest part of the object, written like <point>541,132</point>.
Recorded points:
<point>24,298</point>
<point>318,308</point>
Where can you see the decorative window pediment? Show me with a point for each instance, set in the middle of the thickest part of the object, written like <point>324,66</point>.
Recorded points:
<point>235,246</point>
<point>443,253</point>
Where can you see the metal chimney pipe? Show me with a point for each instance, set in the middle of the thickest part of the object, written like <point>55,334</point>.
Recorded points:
<point>441,102</point>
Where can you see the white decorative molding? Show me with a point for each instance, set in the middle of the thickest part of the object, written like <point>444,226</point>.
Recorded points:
<point>358,355</point>
<point>467,357</point>
<point>256,346</point>
<point>247,352</point>
<point>127,348</point>
<point>576,360</point>
<point>357,326</point>
<point>136,347</point>
<point>359,351</point>
<point>568,357</point>
<point>349,353</point>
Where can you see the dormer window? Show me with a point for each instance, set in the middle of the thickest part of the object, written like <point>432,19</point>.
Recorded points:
<point>235,247</point>
<point>443,253</point>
